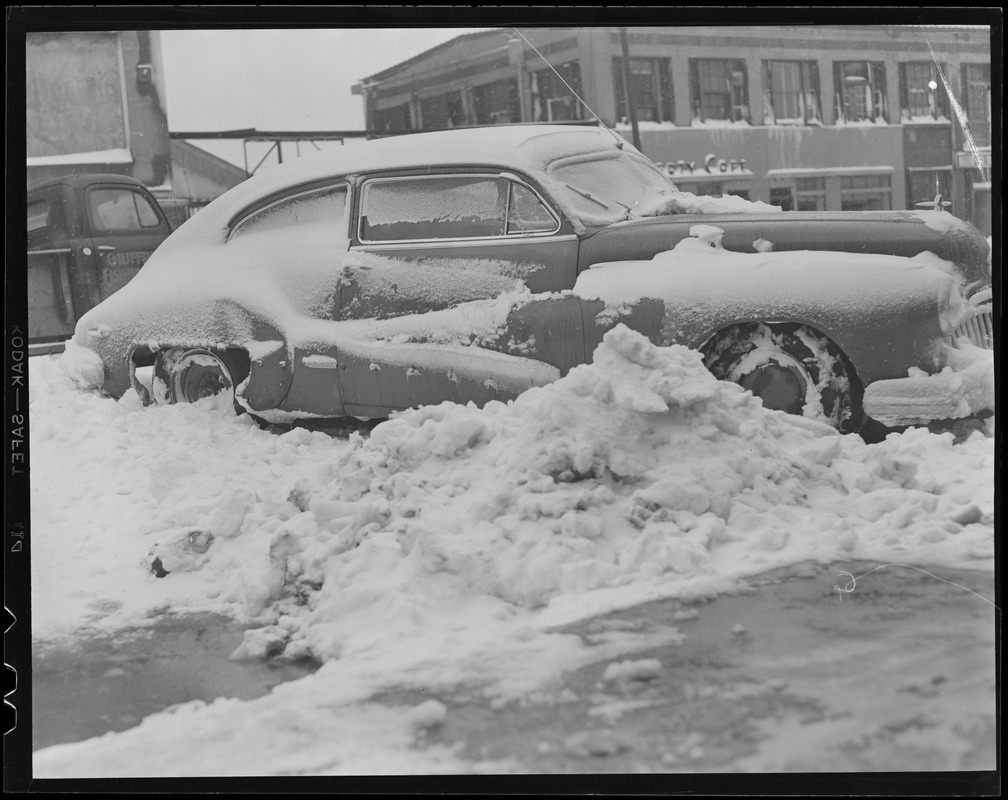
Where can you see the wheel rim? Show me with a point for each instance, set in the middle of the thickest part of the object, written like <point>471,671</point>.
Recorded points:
<point>782,386</point>
<point>200,375</point>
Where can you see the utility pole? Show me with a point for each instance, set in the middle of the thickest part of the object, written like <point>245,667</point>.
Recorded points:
<point>630,104</point>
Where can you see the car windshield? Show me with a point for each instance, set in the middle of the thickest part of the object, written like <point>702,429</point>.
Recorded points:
<point>610,185</point>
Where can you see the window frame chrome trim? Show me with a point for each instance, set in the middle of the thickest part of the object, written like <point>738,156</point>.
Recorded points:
<point>316,189</point>
<point>505,237</point>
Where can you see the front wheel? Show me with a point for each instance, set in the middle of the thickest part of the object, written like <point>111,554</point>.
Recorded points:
<point>790,368</point>
<point>190,375</point>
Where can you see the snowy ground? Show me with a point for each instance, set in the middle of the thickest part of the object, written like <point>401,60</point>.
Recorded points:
<point>447,546</point>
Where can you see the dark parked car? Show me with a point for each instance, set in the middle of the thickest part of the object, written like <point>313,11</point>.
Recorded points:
<point>469,265</point>
<point>88,236</point>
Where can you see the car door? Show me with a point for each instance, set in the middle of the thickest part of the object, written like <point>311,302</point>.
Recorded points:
<point>445,239</point>
<point>50,296</point>
<point>450,237</point>
<point>126,226</point>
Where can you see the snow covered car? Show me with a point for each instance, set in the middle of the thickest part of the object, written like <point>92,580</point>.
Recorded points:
<point>470,265</point>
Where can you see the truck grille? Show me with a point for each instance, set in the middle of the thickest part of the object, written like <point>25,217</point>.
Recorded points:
<point>978,328</point>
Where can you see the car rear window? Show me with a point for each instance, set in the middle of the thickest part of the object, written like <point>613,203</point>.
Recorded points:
<point>121,209</point>
<point>315,207</point>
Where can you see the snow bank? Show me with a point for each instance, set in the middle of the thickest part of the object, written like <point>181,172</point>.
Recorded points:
<point>448,545</point>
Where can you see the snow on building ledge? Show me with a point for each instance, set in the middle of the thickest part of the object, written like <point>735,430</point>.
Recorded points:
<point>119,155</point>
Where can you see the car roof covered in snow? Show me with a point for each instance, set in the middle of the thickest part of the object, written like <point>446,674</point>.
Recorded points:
<point>529,148</point>
<point>81,179</point>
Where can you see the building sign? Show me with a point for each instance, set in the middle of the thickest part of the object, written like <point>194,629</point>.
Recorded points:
<point>711,166</point>
<point>967,161</point>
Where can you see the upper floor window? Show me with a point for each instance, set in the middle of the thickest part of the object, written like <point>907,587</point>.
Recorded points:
<point>976,91</point>
<point>314,207</point>
<point>121,210</point>
<point>922,96</point>
<point>720,89</point>
<point>450,207</point>
<point>650,89</point>
<point>860,91</point>
<point>553,99</point>
<point>791,92</point>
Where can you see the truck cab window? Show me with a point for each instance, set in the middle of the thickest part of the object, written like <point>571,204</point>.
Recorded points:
<point>120,209</point>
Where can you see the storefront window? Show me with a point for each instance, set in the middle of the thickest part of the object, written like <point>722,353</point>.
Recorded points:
<point>866,193</point>
<point>444,111</point>
<point>977,91</point>
<point>922,96</point>
<point>552,100</point>
<point>791,92</point>
<point>497,102</point>
<point>719,89</point>
<point>783,197</point>
<point>923,185</point>
<point>715,189</point>
<point>650,89</point>
<point>810,194</point>
<point>860,91</point>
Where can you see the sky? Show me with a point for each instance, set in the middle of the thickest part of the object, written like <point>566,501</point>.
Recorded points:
<point>223,79</point>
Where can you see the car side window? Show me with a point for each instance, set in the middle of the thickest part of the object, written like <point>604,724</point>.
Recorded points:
<point>317,207</point>
<point>39,232</point>
<point>438,207</point>
<point>527,214</point>
<point>120,210</point>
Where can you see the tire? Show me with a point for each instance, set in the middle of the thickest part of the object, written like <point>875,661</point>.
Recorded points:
<point>791,368</point>
<point>190,375</point>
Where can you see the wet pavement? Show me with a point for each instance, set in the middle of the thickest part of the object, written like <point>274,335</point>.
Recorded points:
<point>803,671</point>
<point>109,683</point>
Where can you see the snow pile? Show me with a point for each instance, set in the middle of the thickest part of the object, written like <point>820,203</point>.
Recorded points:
<point>447,546</point>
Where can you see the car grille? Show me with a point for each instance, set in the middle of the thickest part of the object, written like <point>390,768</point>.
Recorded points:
<point>978,328</point>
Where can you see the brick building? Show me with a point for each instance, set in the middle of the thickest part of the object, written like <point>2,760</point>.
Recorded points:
<point>831,117</point>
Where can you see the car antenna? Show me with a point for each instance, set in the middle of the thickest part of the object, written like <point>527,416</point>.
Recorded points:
<point>963,122</point>
<point>619,142</point>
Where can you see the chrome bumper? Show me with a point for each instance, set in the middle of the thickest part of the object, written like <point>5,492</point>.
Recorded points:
<point>965,387</point>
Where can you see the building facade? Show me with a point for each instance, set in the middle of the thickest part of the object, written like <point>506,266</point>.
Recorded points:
<point>837,117</point>
<point>95,104</point>
<point>197,178</point>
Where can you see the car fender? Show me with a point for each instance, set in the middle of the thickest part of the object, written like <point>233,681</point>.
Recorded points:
<point>853,301</point>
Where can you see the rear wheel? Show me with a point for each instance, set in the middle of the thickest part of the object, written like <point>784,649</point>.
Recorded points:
<point>791,368</point>
<point>190,375</point>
